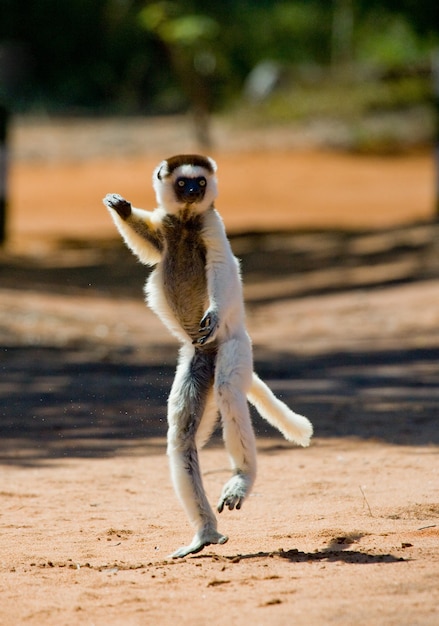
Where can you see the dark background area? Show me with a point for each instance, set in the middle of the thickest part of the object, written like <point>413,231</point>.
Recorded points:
<point>135,56</point>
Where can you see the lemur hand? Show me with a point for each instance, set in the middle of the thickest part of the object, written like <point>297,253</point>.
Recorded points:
<point>208,328</point>
<point>117,203</point>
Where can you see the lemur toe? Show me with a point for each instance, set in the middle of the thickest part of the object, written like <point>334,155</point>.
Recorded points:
<point>232,502</point>
<point>199,542</point>
<point>234,492</point>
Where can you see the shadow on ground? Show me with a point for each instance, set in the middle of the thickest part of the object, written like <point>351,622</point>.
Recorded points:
<point>67,402</point>
<point>312,262</point>
<point>297,556</point>
<point>78,401</point>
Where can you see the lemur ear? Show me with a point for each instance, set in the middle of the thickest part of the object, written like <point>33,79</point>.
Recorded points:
<point>212,163</point>
<point>161,169</point>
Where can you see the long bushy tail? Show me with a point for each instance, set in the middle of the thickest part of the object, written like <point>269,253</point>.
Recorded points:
<point>293,426</point>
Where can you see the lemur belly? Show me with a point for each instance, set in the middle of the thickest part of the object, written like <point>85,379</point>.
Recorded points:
<point>184,271</point>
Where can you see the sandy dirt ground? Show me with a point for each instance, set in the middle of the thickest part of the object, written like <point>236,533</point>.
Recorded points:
<point>342,292</point>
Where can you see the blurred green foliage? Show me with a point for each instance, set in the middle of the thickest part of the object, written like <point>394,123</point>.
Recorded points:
<point>340,99</point>
<point>137,56</point>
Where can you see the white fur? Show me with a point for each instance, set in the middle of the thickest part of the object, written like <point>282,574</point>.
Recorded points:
<point>234,380</point>
<point>146,253</point>
<point>293,426</point>
<point>164,190</point>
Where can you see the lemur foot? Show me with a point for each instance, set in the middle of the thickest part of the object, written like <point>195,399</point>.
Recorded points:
<point>117,203</point>
<point>234,492</point>
<point>208,327</point>
<point>201,540</point>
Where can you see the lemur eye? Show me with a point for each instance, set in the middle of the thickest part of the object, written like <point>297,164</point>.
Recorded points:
<point>202,182</point>
<point>180,182</point>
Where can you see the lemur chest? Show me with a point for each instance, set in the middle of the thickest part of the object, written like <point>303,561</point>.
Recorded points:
<point>184,270</point>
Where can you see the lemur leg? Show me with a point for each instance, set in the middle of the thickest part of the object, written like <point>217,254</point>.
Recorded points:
<point>208,421</point>
<point>232,380</point>
<point>186,405</point>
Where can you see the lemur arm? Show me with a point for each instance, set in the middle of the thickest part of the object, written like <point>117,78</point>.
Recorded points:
<point>226,309</point>
<point>138,228</point>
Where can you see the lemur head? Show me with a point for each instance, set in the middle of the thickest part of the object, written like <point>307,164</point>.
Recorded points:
<point>185,181</point>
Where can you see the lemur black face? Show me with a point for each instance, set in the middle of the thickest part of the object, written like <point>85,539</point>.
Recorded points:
<point>190,190</point>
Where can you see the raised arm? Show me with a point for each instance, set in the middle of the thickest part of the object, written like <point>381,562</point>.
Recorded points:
<point>139,229</point>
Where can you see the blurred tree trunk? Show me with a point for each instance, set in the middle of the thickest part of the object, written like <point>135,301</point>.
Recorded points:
<point>195,87</point>
<point>435,85</point>
<point>187,39</point>
<point>342,52</point>
<point>4,118</point>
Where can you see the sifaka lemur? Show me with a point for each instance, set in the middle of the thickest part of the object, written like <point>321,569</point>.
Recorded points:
<point>196,290</point>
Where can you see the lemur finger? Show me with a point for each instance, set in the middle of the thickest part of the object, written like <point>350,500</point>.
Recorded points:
<point>209,320</point>
<point>205,333</point>
<point>203,338</point>
<point>200,341</point>
<point>206,338</point>
<point>207,328</point>
<point>205,322</point>
<point>117,203</point>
